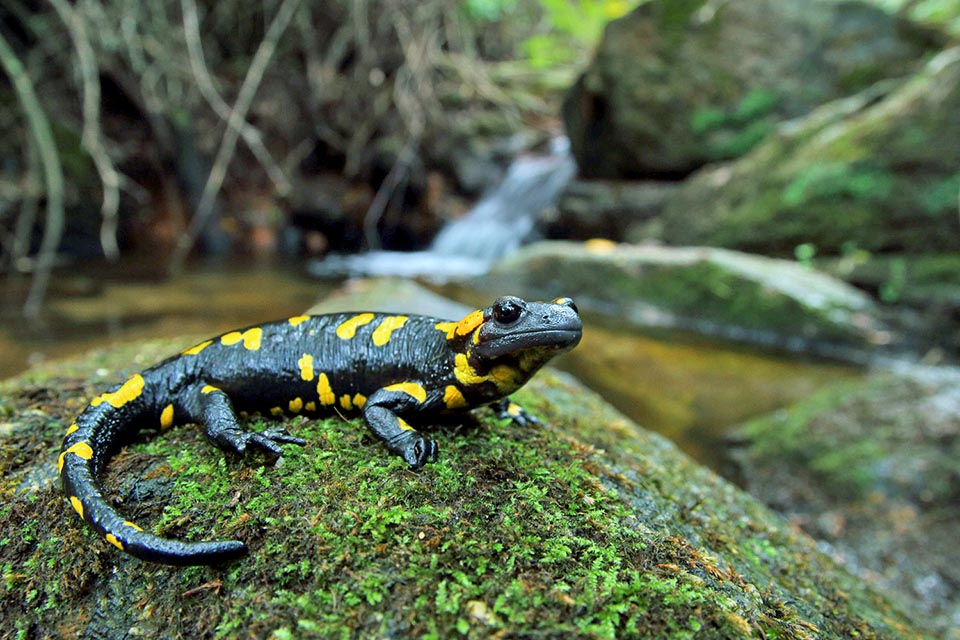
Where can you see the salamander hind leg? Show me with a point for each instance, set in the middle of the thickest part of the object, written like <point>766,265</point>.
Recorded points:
<point>381,413</point>
<point>215,413</point>
<point>506,409</point>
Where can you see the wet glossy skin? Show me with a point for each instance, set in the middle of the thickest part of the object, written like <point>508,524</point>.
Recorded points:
<point>388,368</point>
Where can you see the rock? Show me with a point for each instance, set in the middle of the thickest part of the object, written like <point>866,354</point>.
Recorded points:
<point>929,285</point>
<point>872,468</point>
<point>587,526</point>
<point>613,209</point>
<point>712,291</point>
<point>875,172</point>
<point>675,85</point>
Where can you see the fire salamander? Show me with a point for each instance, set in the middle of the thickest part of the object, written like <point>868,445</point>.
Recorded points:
<point>387,368</point>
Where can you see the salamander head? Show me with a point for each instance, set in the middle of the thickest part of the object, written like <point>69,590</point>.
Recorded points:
<point>538,330</point>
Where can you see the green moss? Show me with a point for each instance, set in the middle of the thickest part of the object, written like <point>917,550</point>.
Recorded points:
<point>733,131</point>
<point>833,180</point>
<point>846,466</point>
<point>941,195</point>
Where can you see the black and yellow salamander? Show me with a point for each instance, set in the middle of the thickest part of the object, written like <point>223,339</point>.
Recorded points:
<point>388,368</point>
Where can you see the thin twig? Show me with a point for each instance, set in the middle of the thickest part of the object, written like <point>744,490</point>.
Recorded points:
<point>228,143</point>
<point>92,138</point>
<point>250,134</point>
<point>30,204</point>
<point>52,172</point>
<point>398,173</point>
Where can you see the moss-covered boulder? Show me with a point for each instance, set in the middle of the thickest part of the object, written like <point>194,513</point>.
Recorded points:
<point>876,172</point>
<point>873,468</point>
<point>676,84</point>
<point>586,526</point>
<point>712,291</point>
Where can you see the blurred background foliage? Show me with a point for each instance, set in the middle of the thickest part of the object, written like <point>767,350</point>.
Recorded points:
<point>159,116</point>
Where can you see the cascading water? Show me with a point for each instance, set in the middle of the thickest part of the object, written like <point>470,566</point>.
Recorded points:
<point>496,226</point>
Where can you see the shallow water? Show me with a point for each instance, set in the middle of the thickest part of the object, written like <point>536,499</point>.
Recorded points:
<point>100,306</point>
<point>690,390</point>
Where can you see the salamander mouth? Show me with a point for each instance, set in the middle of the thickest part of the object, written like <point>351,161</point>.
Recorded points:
<point>549,339</point>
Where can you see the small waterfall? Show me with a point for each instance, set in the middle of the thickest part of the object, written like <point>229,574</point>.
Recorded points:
<point>496,226</point>
<point>503,219</point>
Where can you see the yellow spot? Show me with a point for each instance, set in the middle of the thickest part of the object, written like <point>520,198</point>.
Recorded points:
<point>306,367</point>
<point>345,402</point>
<point>470,322</point>
<point>348,328</point>
<point>412,389</point>
<point>209,388</point>
<point>447,327</point>
<point>297,320</point>
<point>513,409</point>
<point>194,350</point>
<point>71,429</point>
<point>112,539</point>
<point>381,335</point>
<point>404,425</point>
<point>250,338</point>
<point>166,417</point>
<point>276,411</point>
<point>131,525</point>
<point>464,372</point>
<point>82,449</point>
<point>503,376</point>
<point>296,405</point>
<point>60,462</point>
<point>600,245</point>
<point>77,505</point>
<point>453,398</point>
<point>310,406</point>
<point>130,390</point>
<point>359,400</point>
<point>324,390</point>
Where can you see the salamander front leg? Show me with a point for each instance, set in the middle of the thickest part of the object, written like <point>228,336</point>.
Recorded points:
<point>216,415</point>
<point>381,415</point>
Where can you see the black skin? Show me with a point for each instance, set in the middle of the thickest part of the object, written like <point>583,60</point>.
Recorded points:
<point>389,368</point>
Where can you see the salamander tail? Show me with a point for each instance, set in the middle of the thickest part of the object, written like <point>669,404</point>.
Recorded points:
<point>89,441</point>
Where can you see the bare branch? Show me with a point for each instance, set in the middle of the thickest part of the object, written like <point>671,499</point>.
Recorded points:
<point>52,171</point>
<point>249,133</point>
<point>92,138</point>
<point>229,141</point>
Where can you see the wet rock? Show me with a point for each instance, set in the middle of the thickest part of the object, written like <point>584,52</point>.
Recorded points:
<point>675,85</point>
<point>875,172</point>
<point>712,291</point>
<point>614,209</point>
<point>872,469</point>
<point>587,526</point>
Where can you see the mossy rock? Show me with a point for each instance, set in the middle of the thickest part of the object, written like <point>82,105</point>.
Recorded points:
<point>586,526</point>
<point>875,172</point>
<point>716,292</point>
<point>871,467</point>
<point>678,84</point>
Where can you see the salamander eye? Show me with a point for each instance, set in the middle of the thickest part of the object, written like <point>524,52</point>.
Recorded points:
<point>507,310</point>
